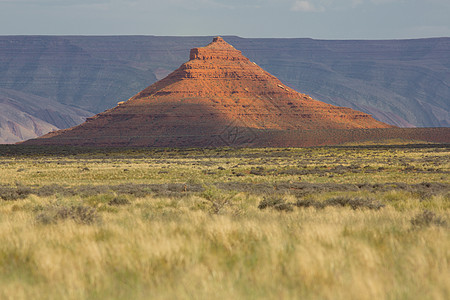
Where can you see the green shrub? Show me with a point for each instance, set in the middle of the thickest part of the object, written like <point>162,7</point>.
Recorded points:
<point>219,199</point>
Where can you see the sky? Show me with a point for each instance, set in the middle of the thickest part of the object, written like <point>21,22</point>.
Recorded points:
<point>320,19</point>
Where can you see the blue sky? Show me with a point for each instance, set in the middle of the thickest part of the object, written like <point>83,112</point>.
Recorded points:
<point>321,19</point>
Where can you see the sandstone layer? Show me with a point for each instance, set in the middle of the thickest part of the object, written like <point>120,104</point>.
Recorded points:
<point>399,82</point>
<point>218,98</point>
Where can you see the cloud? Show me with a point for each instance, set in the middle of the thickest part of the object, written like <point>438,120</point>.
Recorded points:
<point>306,6</point>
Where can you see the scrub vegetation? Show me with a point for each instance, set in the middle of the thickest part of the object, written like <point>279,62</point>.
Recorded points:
<point>367,222</point>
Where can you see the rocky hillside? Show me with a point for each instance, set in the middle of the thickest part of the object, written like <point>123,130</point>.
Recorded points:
<point>218,97</point>
<point>24,116</point>
<point>401,82</point>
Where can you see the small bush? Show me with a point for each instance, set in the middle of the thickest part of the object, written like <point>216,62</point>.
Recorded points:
<point>259,171</point>
<point>427,218</point>
<point>309,203</point>
<point>117,201</point>
<point>219,199</point>
<point>276,202</point>
<point>52,213</point>
<point>10,193</point>
<point>283,207</point>
<point>354,203</point>
<point>293,171</point>
<point>49,190</point>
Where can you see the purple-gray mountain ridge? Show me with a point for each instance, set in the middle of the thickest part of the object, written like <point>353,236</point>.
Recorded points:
<point>55,82</point>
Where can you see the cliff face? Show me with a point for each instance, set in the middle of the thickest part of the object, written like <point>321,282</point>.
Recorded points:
<point>214,95</point>
<point>220,78</point>
<point>400,82</point>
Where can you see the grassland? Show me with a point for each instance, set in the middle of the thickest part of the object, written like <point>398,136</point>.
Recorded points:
<point>313,223</point>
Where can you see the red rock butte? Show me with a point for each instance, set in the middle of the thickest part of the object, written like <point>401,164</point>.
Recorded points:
<point>218,98</point>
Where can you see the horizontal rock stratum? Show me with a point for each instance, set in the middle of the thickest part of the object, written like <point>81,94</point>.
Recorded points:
<point>218,98</point>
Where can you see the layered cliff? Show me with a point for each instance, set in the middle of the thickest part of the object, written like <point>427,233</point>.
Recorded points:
<point>400,82</point>
<point>217,94</point>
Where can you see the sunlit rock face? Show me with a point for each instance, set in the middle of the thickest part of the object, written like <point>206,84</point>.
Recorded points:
<point>219,97</point>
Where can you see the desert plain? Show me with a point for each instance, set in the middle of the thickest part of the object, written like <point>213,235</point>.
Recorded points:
<point>348,222</point>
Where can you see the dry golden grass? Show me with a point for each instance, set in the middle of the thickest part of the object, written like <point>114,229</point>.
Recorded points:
<point>162,248</point>
<point>217,244</point>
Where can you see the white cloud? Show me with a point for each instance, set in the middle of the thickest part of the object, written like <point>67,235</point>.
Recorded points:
<point>306,6</point>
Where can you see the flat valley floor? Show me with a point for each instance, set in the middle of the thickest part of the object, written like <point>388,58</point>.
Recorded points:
<point>362,222</point>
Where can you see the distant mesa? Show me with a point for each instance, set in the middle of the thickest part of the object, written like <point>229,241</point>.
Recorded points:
<point>220,98</point>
